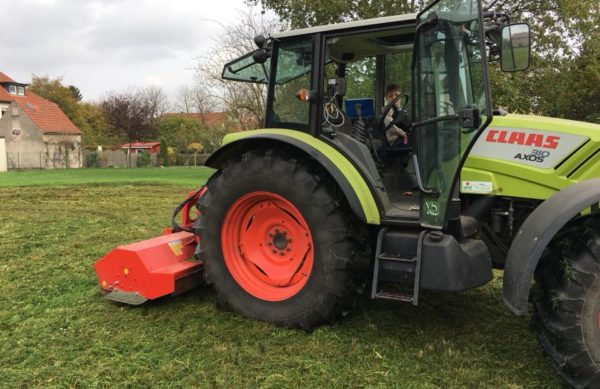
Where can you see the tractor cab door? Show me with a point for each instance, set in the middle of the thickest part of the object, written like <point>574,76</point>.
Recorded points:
<point>451,101</point>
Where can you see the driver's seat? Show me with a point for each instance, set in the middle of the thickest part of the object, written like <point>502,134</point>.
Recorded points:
<point>387,152</point>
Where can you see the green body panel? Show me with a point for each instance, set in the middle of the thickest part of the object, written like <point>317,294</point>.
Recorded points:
<point>353,176</point>
<point>513,179</point>
<point>503,178</point>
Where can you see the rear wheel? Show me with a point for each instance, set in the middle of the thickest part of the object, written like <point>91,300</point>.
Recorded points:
<point>567,309</point>
<point>279,245</point>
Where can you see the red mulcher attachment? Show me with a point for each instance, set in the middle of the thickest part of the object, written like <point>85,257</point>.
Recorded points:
<point>156,267</point>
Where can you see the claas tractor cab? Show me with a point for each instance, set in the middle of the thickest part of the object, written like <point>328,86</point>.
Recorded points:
<point>302,214</point>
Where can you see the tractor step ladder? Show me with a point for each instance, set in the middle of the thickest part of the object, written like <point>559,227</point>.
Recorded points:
<point>390,268</point>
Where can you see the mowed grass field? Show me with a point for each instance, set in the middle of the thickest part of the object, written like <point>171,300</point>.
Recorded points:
<point>57,331</point>
<point>183,176</point>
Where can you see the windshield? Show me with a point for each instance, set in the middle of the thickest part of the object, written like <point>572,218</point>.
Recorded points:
<point>245,68</point>
<point>293,61</point>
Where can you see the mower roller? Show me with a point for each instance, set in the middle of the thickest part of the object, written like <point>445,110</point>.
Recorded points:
<point>157,267</point>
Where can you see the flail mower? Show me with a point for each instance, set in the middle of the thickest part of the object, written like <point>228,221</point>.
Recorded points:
<point>157,267</point>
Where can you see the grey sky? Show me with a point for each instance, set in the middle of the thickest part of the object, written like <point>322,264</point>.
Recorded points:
<point>103,45</point>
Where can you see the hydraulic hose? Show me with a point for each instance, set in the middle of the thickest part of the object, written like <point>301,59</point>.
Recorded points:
<point>174,225</point>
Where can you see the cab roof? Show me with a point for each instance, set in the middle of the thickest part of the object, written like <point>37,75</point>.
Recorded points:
<point>347,25</point>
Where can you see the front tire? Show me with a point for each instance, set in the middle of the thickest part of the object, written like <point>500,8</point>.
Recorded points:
<point>278,243</point>
<point>567,308</point>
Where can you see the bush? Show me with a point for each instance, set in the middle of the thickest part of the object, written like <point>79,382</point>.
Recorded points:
<point>91,160</point>
<point>144,159</point>
<point>164,153</point>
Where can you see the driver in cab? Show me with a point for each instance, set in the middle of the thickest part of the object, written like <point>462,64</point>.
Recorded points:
<point>392,132</point>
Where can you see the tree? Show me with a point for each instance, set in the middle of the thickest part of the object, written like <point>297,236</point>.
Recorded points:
<point>579,96</point>
<point>307,13</point>
<point>55,91</point>
<point>192,100</point>
<point>155,99</point>
<point>133,115</point>
<point>76,93</point>
<point>180,131</point>
<point>94,126</point>
<point>164,153</point>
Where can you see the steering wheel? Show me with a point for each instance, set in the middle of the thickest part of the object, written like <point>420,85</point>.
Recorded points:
<point>399,117</point>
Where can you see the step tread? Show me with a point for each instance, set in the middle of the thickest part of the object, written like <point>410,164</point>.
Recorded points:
<point>394,258</point>
<point>383,294</point>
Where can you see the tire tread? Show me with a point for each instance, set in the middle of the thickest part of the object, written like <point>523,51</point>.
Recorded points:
<point>567,270</point>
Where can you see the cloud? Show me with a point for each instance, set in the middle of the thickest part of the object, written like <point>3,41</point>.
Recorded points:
<point>145,30</point>
<point>108,44</point>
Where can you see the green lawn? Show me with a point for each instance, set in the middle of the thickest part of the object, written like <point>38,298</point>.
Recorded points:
<point>184,176</point>
<point>56,330</point>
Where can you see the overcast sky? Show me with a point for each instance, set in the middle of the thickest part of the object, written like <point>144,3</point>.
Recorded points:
<point>103,45</point>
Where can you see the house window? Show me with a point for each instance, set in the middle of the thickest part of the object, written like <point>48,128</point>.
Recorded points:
<point>2,112</point>
<point>21,90</point>
<point>12,89</point>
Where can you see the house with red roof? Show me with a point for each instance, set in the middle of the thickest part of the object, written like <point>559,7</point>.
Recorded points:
<point>37,133</point>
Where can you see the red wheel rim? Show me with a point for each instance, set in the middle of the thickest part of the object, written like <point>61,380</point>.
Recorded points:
<point>267,246</point>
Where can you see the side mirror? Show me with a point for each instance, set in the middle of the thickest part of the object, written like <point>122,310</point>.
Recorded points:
<point>515,47</point>
<point>261,55</point>
<point>260,40</point>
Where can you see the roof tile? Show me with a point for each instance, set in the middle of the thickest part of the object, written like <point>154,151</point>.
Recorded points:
<point>5,78</point>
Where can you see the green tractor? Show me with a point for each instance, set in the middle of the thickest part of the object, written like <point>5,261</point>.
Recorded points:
<point>300,216</point>
<point>304,213</point>
<point>322,204</point>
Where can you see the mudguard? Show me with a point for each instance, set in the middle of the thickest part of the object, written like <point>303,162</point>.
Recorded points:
<point>349,179</point>
<point>535,234</point>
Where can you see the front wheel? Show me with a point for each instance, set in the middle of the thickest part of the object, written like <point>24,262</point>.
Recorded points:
<point>567,308</point>
<point>278,244</point>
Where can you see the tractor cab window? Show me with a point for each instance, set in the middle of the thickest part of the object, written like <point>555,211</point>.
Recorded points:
<point>294,70</point>
<point>247,69</point>
<point>448,80</point>
<point>358,69</point>
<point>361,78</point>
<point>398,69</point>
